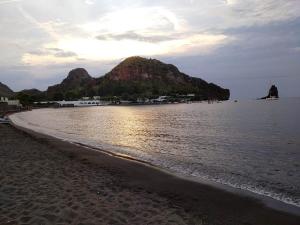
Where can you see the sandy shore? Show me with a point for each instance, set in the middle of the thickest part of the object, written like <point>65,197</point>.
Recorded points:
<point>47,181</point>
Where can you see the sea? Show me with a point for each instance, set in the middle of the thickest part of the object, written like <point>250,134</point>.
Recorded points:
<point>252,145</point>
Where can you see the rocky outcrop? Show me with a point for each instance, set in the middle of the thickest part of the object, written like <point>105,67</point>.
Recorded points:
<point>76,82</point>
<point>273,93</point>
<point>138,68</point>
<point>77,78</point>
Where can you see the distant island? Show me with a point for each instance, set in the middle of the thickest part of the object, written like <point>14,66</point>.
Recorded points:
<point>273,93</point>
<point>133,79</point>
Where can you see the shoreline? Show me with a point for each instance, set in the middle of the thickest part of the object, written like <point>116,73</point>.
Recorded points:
<point>265,199</point>
<point>196,198</point>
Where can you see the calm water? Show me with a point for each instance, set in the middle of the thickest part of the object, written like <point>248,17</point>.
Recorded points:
<point>253,145</point>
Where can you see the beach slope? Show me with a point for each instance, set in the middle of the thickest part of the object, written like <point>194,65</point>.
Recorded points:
<point>44,180</point>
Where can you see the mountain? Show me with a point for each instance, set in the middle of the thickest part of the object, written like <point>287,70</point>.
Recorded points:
<point>28,96</point>
<point>74,86</point>
<point>135,77</point>
<point>5,91</point>
<point>150,77</point>
<point>32,92</point>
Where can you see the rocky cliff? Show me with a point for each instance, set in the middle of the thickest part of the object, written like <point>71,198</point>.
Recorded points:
<point>77,83</point>
<point>273,93</point>
<point>148,77</point>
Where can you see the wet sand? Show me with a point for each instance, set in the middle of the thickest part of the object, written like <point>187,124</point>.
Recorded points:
<point>44,180</point>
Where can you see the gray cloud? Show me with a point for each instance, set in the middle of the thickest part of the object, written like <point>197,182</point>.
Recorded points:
<point>55,52</point>
<point>38,52</point>
<point>296,49</point>
<point>265,10</point>
<point>131,35</point>
<point>259,57</point>
<point>2,2</point>
<point>54,49</point>
<point>64,54</point>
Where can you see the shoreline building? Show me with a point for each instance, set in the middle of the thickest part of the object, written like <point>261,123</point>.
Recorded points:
<point>7,105</point>
<point>10,102</point>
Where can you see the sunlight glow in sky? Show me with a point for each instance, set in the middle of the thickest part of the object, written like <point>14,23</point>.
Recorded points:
<point>122,33</point>
<point>214,39</point>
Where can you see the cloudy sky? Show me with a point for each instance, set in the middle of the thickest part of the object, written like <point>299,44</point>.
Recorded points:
<point>243,45</point>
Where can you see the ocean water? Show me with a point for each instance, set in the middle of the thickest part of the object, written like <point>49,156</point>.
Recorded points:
<point>251,145</point>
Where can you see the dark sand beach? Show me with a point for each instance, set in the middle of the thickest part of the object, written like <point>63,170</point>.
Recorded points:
<point>44,180</point>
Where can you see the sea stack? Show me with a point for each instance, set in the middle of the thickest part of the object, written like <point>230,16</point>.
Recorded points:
<point>273,93</point>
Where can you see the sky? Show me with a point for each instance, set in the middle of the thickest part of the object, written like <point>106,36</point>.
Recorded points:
<point>243,45</point>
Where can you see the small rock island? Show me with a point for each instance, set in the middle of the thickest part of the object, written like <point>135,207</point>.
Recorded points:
<point>273,93</point>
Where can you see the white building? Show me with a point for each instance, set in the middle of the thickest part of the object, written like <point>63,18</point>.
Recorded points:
<point>3,99</point>
<point>90,98</point>
<point>80,103</point>
<point>190,95</point>
<point>10,102</point>
<point>14,102</point>
<point>96,97</point>
<point>161,99</point>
